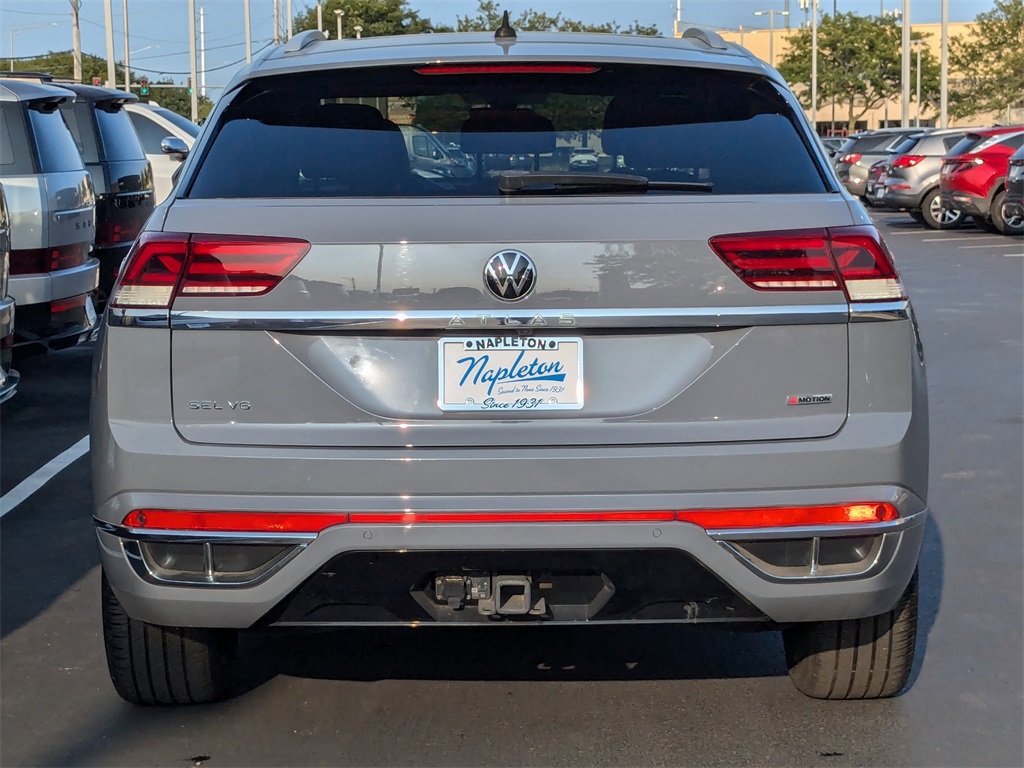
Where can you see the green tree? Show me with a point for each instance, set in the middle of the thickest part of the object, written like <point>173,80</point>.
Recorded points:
<point>376,17</point>
<point>859,64</point>
<point>488,18</point>
<point>988,67</point>
<point>61,65</point>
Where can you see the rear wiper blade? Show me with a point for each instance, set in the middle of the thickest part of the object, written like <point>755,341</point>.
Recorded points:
<point>512,183</point>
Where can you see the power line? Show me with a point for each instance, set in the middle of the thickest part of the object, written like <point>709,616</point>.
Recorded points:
<point>211,69</point>
<point>185,53</point>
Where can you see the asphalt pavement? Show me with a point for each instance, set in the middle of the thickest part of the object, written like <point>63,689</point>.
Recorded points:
<point>558,696</point>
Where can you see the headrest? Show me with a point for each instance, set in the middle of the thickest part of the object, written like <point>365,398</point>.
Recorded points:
<point>490,131</point>
<point>360,116</point>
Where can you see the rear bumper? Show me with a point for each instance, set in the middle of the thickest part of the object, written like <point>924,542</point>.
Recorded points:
<point>379,592</point>
<point>902,200</point>
<point>970,204</point>
<point>53,286</point>
<point>109,261</point>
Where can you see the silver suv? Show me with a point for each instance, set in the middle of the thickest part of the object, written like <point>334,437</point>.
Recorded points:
<point>52,207</point>
<point>912,179</point>
<point>332,392</point>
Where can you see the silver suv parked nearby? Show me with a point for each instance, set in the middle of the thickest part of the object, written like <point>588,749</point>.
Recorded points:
<point>334,392</point>
<point>51,203</point>
<point>8,377</point>
<point>862,150</point>
<point>912,178</point>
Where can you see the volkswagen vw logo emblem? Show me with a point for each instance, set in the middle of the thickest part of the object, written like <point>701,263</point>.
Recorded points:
<point>510,275</point>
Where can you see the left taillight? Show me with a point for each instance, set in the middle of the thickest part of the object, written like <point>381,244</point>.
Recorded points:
<point>852,258</point>
<point>163,265</point>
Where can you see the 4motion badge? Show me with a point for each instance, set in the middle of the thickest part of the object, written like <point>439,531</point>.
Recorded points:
<point>808,399</point>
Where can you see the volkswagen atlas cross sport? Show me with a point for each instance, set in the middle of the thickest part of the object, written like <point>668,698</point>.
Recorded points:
<point>683,387</point>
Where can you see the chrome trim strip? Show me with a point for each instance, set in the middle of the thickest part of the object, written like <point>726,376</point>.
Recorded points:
<point>823,531</point>
<point>475,320</point>
<point>196,537</point>
<point>73,212</point>
<point>863,312</point>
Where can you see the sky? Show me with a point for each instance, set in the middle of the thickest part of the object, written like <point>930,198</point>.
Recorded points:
<point>158,29</point>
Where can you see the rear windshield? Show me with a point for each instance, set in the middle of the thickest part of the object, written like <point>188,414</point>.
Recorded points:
<point>79,121</point>
<point>120,142</point>
<point>359,133</point>
<point>56,148</point>
<point>965,145</point>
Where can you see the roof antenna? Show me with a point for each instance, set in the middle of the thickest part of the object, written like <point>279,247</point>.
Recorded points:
<point>504,35</point>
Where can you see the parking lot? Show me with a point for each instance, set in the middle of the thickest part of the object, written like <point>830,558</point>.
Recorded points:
<point>655,695</point>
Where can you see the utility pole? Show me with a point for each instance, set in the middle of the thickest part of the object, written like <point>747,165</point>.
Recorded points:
<point>248,34</point>
<point>127,65</point>
<point>108,13</point>
<point>905,73</point>
<point>76,39</point>
<point>277,22</point>
<point>202,51</point>
<point>320,16</point>
<point>785,8</point>
<point>679,18</point>
<point>192,58</point>
<point>289,7</point>
<point>944,68</point>
<point>919,44</point>
<point>814,64</point>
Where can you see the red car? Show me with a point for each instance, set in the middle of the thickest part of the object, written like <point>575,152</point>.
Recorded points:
<point>973,176</point>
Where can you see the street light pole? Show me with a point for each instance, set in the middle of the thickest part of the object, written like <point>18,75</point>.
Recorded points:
<point>814,64</point>
<point>359,31</point>
<point>127,55</point>
<point>76,39</point>
<point>248,34</point>
<point>26,29</point>
<point>944,68</point>
<point>919,44</point>
<point>108,14</point>
<point>340,16</point>
<point>192,58</point>
<point>320,16</point>
<point>770,13</point>
<point>905,70</point>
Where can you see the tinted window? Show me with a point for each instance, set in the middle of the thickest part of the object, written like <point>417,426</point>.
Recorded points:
<point>337,133</point>
<point>56,148</point>
<point>965,145</point>
<point>149,132</point>
<point>15,151</point>
<point>78,119</point>
<point>120,142</point>
<point>177,120</point>
<point>950,141</point>
<point>1014,142</point>
<point>906,145</point>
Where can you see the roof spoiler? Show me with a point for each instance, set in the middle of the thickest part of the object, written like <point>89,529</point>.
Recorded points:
<point>301,40</point>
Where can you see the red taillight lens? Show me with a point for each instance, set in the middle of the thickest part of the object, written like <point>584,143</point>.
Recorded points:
<point>163,265</point>
<point>243,522</point>
<point>508,69</point>
<point>29,261</point>
<point>785,517</point>
<point>907,161</point>
<point>792,261</point>
<point>239,266</point>
<point>854,258</point>
<point>152,271</point>
<point>851,158</point>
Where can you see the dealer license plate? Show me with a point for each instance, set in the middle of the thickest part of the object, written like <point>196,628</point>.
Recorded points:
<point>879,193</point>
<point>510,373</point>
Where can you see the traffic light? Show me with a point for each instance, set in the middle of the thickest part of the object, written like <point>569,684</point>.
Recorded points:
<point>144,86</point>
<point>190,86</point>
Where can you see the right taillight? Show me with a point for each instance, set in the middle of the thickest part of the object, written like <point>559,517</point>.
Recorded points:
<point>164,265</point>
<point>851,158</point>
<point>907,161</point>
<point>852,258</point>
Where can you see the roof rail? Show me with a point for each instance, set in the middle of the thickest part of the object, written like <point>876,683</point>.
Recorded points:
<point>301,40</point>
<point>708,37</point>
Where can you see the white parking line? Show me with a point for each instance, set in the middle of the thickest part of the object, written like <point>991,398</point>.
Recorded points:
<point>961,238</point>
<point>997,245</point>
<point>42,476</point>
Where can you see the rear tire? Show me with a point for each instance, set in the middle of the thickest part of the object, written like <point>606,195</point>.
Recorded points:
<point>1004,226</point>
<point>856,658</point>
<point>937,217</point>
<point>164,665</point>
